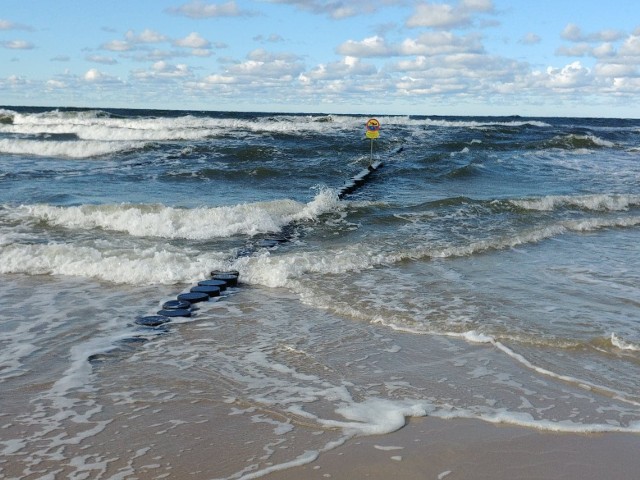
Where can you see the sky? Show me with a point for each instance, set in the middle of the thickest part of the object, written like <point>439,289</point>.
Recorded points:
<point>402,57</point>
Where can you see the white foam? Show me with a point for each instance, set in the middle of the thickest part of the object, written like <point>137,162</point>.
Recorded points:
<point>132,266</point>
<point>170,222</point>
<point>283,270</point>
<point>376,416</point>
<point>602,202</point>
<point>387,448</point>
<point>70,149</point>
<point>622,344</point>
<point>528,421</point>
<point>475,337</point>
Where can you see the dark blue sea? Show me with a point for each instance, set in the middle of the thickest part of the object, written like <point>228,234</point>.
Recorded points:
<point>489,269</point>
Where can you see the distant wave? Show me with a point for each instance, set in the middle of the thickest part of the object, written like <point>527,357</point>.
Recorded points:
<point>68,149</point>
<point>484,123</point>
<point>596,202</point>
<point>102,125</point>
<point>575,142</point>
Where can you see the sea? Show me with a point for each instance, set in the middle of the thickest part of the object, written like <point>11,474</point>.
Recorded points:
<point>488,269</point>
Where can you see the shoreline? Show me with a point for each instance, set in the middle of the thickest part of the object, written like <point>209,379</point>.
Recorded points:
<point>433,448</point>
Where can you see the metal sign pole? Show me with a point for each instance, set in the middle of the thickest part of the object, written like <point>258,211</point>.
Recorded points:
<point>371,156</point>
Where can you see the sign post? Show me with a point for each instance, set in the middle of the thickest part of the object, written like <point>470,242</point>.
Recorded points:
<point>373,132</point>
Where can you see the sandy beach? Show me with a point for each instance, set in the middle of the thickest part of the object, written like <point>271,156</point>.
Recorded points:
<point>431,448</point>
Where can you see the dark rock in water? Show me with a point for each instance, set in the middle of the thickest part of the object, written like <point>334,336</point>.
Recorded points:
<point>194,297</point>
<point>176,312</point>
<point>152,321</point>
<point>231,280</point>
<point>176,305</point>
<point>222,285</point>
<point>208,289</point>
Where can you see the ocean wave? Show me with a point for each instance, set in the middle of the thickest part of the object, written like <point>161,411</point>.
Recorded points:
<point>136,266</point>
<point>200,223</point>
<point>578,142</point>
<point>484,123</point>
<point>6,117</point>
<point>103,125</point>
<point>65,148</point>
<point>598,202</point>
<point>168,222</point>
<point>284,270</point>
<point>621,344</point>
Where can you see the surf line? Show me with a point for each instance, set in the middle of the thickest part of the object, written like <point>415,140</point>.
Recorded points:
<point>226,281</point>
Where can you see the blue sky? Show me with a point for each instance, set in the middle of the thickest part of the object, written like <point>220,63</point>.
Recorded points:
<point>446,57</point>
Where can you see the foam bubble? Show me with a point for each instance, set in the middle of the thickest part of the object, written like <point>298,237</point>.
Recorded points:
<point>376,416</point>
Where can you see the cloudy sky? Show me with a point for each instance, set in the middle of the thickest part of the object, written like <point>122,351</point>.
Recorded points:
<point>445,57</point>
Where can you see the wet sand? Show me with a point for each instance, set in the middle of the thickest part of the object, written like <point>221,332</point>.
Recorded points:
<point>431,448</point>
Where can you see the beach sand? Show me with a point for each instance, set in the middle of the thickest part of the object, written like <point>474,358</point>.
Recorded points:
<point>432,448</point>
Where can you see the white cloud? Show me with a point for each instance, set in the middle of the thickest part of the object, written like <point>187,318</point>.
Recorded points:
<point>218,79</point>
<point>8,25</point>
<point>56,84</point>
<point>201,52</point>
<point>437,16</point>
<point>337,9</point>
<point>445,16</point>
<point>625,85</point>
<point>578,50</point>
<point>631,46</point>
<point>369,47</point>
<point>17,45</point>
<point>272,38</point>
<point>16,80</point>
<point>604,50</point>
<point>164,70</point>
<point>117,46</point>
<point>147,36</point>
<point>477,5</point>
<point>573,33</point>
<point>429,43</point>
<point>530,39</point>
<point>94,75</point>
<point>102,59</point>
<point>615,70</point>
<point>198,9</point>
<point>193,40</point>
<point>570,76</point>
<point>347,67</point>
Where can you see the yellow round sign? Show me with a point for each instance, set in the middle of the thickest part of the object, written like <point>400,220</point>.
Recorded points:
<point>373,128</point>
<point>373,125</point>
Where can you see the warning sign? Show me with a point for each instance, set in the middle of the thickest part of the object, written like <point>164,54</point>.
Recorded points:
<point>373,128</point>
